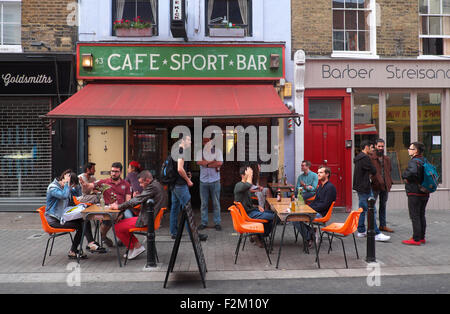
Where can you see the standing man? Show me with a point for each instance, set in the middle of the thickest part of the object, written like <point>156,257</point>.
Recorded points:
<point>361,184</point>
<point>381,181</point>
<point>180,191</point>
<point>417,199</point>
<point>119,192</point>
<point>307,181</point>
<point>210,161</point>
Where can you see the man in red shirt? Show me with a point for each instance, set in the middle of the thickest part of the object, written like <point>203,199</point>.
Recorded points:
<point>119,191</point>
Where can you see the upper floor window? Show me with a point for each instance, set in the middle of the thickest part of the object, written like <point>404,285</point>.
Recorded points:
<point>228,18</point>
<point>144,10</point>
<point>353,27</point>
<point>10,23</point>
<point>434,27</point>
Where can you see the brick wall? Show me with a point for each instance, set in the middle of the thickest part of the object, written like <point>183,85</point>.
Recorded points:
<point>397,31</point>
<point>47,21</point>
<point>23,133</point>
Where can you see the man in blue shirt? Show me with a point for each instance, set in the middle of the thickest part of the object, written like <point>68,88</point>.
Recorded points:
<point>307,181</point>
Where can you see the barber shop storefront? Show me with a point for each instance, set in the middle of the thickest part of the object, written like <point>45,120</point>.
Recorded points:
<point>31,84</point>
<point>136,97</point>
<point>398,100</point>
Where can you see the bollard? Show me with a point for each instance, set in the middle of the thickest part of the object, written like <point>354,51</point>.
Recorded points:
<point>370,258</point>
<point>149,207</point>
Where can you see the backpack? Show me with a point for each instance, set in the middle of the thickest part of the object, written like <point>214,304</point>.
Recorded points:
<point>168,174</point>
<point>430,177</point>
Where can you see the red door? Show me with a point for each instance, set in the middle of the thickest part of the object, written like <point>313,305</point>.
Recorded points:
<point>325,135</point>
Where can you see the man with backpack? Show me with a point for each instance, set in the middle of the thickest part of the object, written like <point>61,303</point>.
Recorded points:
<point>417,195</point>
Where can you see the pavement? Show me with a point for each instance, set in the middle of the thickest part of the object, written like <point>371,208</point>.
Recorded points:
<point>23,245</point>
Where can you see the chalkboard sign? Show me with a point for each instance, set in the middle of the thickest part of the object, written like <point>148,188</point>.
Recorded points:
<point>188,216</point>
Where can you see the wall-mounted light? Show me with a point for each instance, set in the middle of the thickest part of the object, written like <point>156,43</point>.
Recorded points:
<point>274,61</point>
<point>87,60</point>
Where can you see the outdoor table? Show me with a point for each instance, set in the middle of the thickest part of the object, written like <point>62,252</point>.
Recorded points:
<point>303,213</point>
<point>282,187</point>
<point>96,213</point>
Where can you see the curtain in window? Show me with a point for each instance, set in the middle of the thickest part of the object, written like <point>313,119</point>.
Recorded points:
<point>153,5</point>
<point>120,5</point>
<point>244,11</point>
<point>210,10</point>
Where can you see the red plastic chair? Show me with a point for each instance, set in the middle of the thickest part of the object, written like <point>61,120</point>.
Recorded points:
<point>342,230</point>
<point>143,231</point>
<point>245,229</point>
<point>52,232</point>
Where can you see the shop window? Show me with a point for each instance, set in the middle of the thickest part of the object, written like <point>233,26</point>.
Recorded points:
<point>352,25</point>
<point>429,127</point>
<point>434,27</point>
<point>228,18</point>
<point>366,118</point>
<point>144,10</point>
<point>10,23</point>
<point>325,109</point>
<point>398,133</point>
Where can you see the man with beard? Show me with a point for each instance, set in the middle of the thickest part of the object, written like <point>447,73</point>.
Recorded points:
<point>381,181</point>
<point>119,191</point>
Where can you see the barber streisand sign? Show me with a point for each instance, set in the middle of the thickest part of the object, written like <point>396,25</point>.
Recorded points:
<point>175,61</point>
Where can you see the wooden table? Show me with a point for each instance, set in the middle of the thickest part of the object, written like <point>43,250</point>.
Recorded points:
<point>95,212</point>
<point>282,187</point>
<point>303,213</point>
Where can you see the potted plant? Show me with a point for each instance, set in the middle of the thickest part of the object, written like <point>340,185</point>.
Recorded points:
<point>135,28</point>
<point>226,30</point>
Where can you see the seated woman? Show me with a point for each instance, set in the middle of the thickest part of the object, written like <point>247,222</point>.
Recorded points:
<point>59,192</point>
<point>261,189</point>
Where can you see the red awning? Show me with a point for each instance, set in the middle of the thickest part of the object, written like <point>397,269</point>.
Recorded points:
<point>168,101</point>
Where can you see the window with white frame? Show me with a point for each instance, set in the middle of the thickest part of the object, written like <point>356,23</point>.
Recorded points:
<point>434,27</point>
<point>353,26</point>
<point>146,11</point>
<point>229,14</point>
<point>10,23</point>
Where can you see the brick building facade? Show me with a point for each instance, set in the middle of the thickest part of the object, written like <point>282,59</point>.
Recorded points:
<point>36,74</point>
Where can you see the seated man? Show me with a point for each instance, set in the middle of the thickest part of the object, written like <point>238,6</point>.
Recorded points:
<point>307,181</point>
<point>89,194</point>
<point>152,189</point>
<point>242,195</point>
<point>119,191</point>
<point>325,196</point>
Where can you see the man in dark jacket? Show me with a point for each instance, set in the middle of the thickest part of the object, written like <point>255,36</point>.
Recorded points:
<point>417,199</point>
<point>361,184</point>
<point>151,189</point>
<point>381,181</point>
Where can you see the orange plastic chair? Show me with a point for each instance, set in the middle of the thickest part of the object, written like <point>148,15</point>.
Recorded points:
<point>52,232</point>
<point>342,230</point>
<point>244,214</point>
<point>76,201</point>
<point>143,231</point>
<point>245,229</point>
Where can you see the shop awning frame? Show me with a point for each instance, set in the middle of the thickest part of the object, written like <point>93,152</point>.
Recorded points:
<point>173,101</point>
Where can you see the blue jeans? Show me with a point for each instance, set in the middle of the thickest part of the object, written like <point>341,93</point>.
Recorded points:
<point>304,229</point>
<point>363,197</point>
<point>256,214</point>
<point>382,205</point>
<point>180,197</point>
<point>212,189</point>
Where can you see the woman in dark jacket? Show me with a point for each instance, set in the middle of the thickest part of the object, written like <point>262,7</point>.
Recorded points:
<point>417,199</point>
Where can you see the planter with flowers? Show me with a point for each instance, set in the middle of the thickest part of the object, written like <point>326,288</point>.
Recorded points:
<point>135,28</point>
<point>226,30</point>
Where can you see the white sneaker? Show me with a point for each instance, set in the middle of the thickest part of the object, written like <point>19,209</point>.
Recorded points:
<point>361,234</point>
<point>136,252</point>
<point>382,237</point>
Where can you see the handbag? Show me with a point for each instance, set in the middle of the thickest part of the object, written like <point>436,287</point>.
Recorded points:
<point>72,213</point>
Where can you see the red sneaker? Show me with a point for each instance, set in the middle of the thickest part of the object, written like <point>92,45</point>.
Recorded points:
<point>423,241</point>
<point>411,242</point>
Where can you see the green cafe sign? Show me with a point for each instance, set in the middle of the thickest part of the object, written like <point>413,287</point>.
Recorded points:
<point>178,61</point>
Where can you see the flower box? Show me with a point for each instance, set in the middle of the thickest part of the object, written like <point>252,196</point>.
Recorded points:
<point>134,32</point>
<point>226,32</point>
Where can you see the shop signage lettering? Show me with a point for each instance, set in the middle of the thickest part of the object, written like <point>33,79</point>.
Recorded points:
<point>377,73</point>
<point>9,78</point>
<point>181,61</point>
